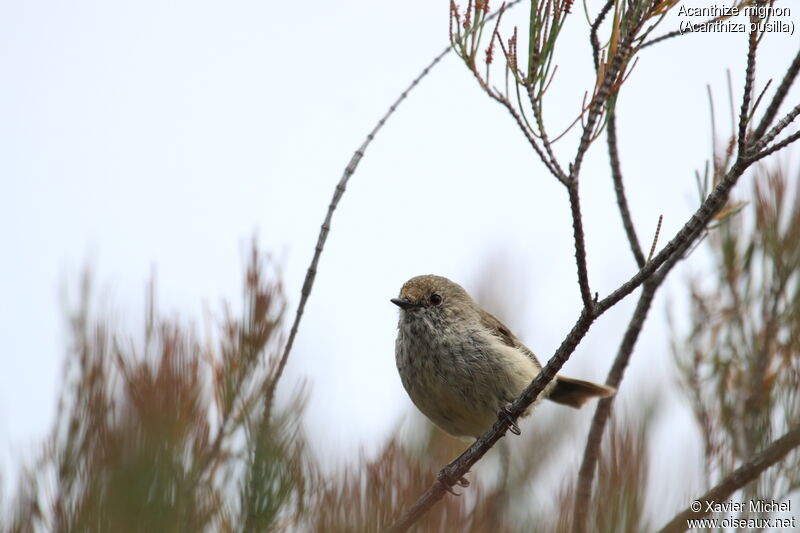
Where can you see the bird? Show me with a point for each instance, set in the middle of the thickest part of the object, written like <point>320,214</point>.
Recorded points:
<point>461,366</point>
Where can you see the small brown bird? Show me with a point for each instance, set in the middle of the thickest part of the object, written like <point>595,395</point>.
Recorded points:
<point>461,366</point>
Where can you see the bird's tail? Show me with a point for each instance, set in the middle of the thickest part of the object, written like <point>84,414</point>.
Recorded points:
<point>576,392</point>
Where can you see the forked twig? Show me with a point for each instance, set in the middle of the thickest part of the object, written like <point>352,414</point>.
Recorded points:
<point>777,146</point>
<point>777,129</point>
<point>778,97</point>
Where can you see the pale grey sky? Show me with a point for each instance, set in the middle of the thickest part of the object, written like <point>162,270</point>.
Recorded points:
<point>159,137</point>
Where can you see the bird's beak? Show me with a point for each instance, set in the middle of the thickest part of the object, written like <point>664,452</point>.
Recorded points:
<point>404,303</point>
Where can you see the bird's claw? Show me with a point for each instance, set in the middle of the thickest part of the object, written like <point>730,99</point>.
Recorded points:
<point>505,414</point>
<point>448,482</point>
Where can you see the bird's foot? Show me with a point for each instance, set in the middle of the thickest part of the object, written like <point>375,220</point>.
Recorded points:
<point>505,414</point>
<point>448,481</point>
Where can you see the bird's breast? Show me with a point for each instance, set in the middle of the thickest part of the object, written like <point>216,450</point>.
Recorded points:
<point>459,378</point>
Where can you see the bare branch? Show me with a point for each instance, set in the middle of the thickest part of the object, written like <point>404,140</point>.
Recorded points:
<point>600,100</point>
<point>495,95</point>
<point>603,411</point>
<point>778,98</point>
<point>599,103</point>
<point>777,129</point>
<point>669,35</point>
<point>688,233</point>
<point>326,225</point>
<point>591,453</point>
<point>595,27</point>
<point>580,245</point>
<point>667,258</point>
<point>537,112</point>
<point>655,238</point>
<point>738,479</point>
<point>619,189</point>
<point>749,79</point>
<point>777,146</point>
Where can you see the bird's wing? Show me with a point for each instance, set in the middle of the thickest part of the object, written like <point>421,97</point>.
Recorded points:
<point>504,334</point>
<point>498,329</point>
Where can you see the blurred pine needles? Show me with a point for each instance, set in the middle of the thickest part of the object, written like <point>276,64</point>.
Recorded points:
<point>740,361</point>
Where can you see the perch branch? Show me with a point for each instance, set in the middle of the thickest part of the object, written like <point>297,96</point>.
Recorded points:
<point>668,256</point>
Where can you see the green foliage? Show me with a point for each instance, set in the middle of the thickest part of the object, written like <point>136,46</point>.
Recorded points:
<point>528,75</point>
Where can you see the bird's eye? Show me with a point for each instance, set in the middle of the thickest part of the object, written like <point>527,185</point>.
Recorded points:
<point>436,299</point>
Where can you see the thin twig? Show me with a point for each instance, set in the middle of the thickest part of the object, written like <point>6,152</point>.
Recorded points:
<point>669,35</point>
<point>549,159</point>
<point>778,97</point>
<point>580,245</point>
<point>326,226</point>
<point>311,273</point>
<point>495,95</point>
<point>591,453</point>
<point>749,80</point>
<point>777,129</point>
<point>599,101</point>
<point>593,34</point>
<point>537,113</point>
<point>655,237</point>
<point>619,189</point>
<point>775,147</point>
<point>737,479</point>
<point>713,124</point>
<point>688,233</point>
<point>522,122</point>
<point>760,98</point>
